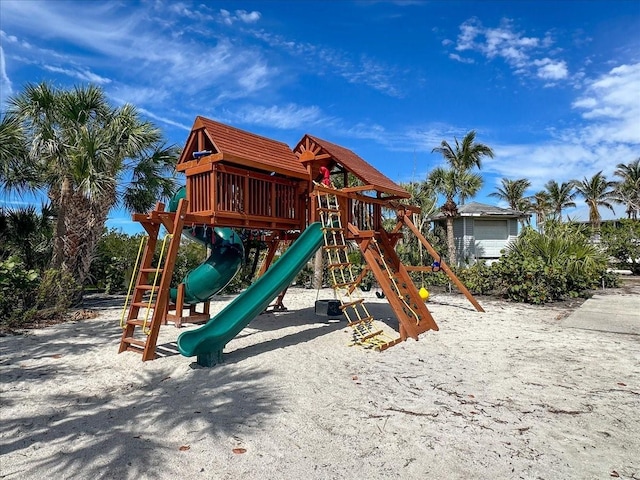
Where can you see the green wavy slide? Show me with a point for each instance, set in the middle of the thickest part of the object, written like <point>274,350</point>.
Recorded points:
<point>208,341</point>
<point>224,262</point>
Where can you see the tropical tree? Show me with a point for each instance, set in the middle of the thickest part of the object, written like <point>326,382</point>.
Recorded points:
<point>81,152</point>
<point>597,192</point>
<point>26,234</point>
<point>13,151</point>
<point>540,205</point>
<point>450,183</point>
<point>560,197</point>
<point>465,155</point>
<point>457,180</point>
<point>627,191</point>
<point>423,196</point>
<point>513,192</point>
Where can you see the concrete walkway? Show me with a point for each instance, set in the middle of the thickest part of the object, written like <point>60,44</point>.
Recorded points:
<point>614,313</point>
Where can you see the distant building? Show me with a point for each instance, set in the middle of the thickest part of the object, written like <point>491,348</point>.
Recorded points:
<point>482,231</point>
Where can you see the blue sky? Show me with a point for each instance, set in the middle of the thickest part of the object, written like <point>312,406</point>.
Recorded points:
<point>552,86</point>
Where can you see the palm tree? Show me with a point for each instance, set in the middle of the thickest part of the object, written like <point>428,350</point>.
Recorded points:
<point>627,191</point>
<point>423,196</point>
<point>457,180</point>
<point>81,148</point>
<point>540,204</point>
<point>465,155</point>
<point>13,151</point>
<point>560,197</point>
<point>597,192</point>
<point>27,234</point>
<point>512,192</point>
<point>451,183</point>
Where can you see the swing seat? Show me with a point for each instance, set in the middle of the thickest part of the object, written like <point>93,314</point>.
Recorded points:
<point>328,308</point>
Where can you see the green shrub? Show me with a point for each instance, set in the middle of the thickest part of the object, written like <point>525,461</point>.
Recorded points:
<point>622,242</point>
<point>115,260</point>
<point>18,287</point>
<point>610,280</point>
<point>478,278</point>
<point>58,291</point>
<point>540,268</point>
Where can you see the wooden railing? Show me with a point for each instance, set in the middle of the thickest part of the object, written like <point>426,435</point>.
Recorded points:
<point>362,211</point>
<point>251,198</point>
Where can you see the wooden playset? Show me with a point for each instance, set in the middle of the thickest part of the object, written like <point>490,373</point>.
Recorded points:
<point>241,180</point>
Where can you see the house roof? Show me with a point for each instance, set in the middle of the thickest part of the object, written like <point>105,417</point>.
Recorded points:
<point>245,148</point>
<point>368,174</point>
<point>475,209</point>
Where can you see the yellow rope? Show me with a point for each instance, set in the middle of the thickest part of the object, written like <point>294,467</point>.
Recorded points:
<point>143,240</point>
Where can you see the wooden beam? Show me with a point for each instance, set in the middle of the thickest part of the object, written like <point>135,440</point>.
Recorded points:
<point>443,264</point>
<point>415,268</point>
<point>362,188</point>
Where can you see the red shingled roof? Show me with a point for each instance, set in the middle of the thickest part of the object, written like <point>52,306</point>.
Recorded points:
<point>368,174</point>
<point>232,141</point>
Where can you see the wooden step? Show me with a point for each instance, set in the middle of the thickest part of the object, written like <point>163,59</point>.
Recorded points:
<point>339,247</point>
<point>351,304</point>
<point>331,210</point>
<point>143,304</point>
<point>346,284</point>
<point>339,265</point>
<point>139,323</point>
<point>358,322</point>
<point>148,287</point>
<point>389,344</point>
<point>135,342</point>
<point>371,335</point>
<point>151,270</point>
<point>135,349</point>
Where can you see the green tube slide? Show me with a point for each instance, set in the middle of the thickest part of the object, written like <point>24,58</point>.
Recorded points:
<point>224,262</point>
<point>208,341</point>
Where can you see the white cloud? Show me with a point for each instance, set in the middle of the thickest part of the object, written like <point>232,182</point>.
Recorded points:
<point>248,17</point>
<point>609,134</point>
<point>229,18</point>
<point>285,117</point>
<point>164,120</point>
<point>549,69</point>
<point>611,104</point>
<point>84,75</point>
<point>323,60</point>
<point>525,55</point>
<point>5,83</point>
<point>256,77</point>
<point>150,49</point>
<point>458,58</point>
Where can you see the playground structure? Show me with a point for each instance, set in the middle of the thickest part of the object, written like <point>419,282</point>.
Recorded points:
<point>236,180</point>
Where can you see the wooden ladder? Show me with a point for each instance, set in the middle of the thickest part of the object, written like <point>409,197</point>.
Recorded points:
<point>151,290</point>
<point>394,280</point>
<point>343,279</point>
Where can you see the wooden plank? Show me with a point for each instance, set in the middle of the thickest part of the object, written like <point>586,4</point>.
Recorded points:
<point>362,188</point>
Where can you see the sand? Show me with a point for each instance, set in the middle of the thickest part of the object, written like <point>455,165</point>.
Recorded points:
<point>510,393</point>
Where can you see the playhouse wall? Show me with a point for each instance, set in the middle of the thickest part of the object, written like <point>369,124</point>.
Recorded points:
<point>243,198</point>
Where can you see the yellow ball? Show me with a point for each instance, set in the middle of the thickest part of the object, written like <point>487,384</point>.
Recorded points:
<point>424,294</point>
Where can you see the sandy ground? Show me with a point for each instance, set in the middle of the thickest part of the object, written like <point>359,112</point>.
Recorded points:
<point>510,393</point>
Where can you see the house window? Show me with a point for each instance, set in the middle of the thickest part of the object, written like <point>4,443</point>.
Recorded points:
<point>491,236</point>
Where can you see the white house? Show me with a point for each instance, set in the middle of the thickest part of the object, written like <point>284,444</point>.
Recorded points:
<point>482,231</point>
